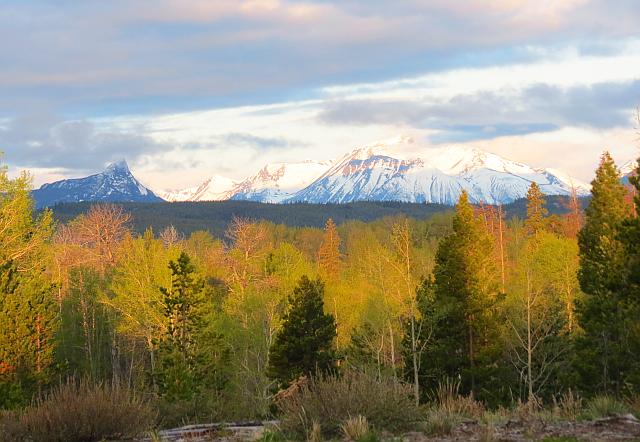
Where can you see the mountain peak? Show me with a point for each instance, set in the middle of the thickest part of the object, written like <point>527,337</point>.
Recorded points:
<point>115,184</point>
<point>118,166</point>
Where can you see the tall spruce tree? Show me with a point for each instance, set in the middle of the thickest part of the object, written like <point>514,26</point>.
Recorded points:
<point>630,237</point>
<point>536,211</point>
<point>28,321</point>
<point>176,370</point>
<point>602,353</point>
<point>465,342</point>
<point>304,345</point>
<point>329,261</point>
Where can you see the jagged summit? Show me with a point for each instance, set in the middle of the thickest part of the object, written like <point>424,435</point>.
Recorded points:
<point>115,184</point>
<point>118,166</point>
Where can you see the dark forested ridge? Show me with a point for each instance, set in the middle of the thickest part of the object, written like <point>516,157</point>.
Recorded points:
<point>214,217</point>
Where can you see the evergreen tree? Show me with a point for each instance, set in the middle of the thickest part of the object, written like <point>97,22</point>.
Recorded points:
<point>176,371</point>
<point>304,345</point>
<point>28,321</point>
<point>603,355</point>
<point>630,236</point>
<point>536,212</point>
<point>465,343</point>
<point>329,261</point>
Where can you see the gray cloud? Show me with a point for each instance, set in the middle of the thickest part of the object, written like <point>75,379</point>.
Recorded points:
<point>123,56</point>
<point>539,107</point>
<point>45,140</point>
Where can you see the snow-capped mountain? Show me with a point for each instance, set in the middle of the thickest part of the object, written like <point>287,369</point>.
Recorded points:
<point>216,188</point>
<point>272,184</point>
<point>115,184</point>
<point>376,173</point>
<point>393,170</point>
<point>276,182</point>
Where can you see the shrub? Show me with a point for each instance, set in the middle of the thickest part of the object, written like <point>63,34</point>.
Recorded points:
<point>604,406</point>
<point>355,428</point>
<point>81,411</point>
<point>386,404</point>
<point>449,400</point>
<point>441,422</point>
<point>569,406</point>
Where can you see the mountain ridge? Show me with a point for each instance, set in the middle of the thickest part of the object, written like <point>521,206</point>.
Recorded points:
<point>114,184</point>
<point>398,169</point>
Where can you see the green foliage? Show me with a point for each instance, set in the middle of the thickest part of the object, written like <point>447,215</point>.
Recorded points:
<point>604,406</point>
<point>189,357</point>
<point>28,322</point>
<point>84,340</point>
<point>304,345</point>
<point>536,210</point>
<point>465,339</point>
<point>605,351</point>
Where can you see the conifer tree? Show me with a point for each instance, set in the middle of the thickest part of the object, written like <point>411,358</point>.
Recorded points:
<point>536,212</point>
<point>602,357</point>
<point>329,254</point>
<point>304,345</point>
<point>466,292</point>
<point>630,236</point>
<point>176,372</point>
<point>28,321</point>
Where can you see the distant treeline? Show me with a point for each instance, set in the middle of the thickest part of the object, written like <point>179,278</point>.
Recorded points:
<point>214,217</point>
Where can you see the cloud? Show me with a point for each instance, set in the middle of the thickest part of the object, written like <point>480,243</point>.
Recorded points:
<point>169,55</point>
<point>535,108</point>
<point>48,141</point>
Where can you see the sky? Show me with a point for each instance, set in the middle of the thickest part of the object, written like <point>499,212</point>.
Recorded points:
<point>187,89</point>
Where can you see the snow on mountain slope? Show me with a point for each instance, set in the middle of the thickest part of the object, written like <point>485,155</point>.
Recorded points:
<point>438,176</point>
<point>216,188</point>
<point>115,184</point>
<point>278,181</point>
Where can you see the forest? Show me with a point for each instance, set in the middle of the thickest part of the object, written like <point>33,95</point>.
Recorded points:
<point>384,318</point>
<point>215,216</point>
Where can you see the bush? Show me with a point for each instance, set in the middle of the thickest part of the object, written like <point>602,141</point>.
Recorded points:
<point>569,407</point>
<point>441,422</point>
<point>328,400</point>
<point>604,406</point>
<point>449,400</point>
<point>80,411</point>
<point>355,428</point>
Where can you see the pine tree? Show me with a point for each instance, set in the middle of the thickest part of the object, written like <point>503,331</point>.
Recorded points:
<point>28,321</point>
<point>536,212</point>
<point>329,261</point>
<point>602,356</point>
<point>304,345</point>
<point>466,291</point>
<point>630,237</point>
<point>176,372</point>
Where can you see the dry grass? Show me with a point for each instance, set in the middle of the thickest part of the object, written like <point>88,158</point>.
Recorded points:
<point>355,428</point>
<point>80,411</point>
<point>315,433</point>
<point>449,400</point>
<point>387,405</point>
<point>569,406</point>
